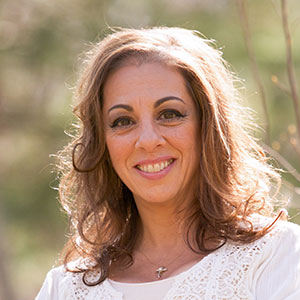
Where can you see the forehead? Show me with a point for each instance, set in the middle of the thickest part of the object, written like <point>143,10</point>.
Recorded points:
<point>144,81</point>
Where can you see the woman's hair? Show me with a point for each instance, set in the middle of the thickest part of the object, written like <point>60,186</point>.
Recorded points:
<point>234,178</point>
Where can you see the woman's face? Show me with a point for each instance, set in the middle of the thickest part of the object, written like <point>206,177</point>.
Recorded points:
<point>151,128</point>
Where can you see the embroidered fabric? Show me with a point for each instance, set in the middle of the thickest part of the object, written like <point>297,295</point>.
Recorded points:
<point>233,272</point>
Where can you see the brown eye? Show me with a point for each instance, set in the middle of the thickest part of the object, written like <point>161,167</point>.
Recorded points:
<point>170,115</point>
<point>122,122</point>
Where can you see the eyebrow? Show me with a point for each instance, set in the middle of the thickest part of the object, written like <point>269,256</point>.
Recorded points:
<point>162,100</point>
<point>124,106</point>
<point>156,104</point>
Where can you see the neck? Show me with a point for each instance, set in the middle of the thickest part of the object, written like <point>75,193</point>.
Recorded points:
<point>161,250</point>
<point>162,227</point>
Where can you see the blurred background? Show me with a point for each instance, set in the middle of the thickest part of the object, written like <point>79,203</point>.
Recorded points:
<point>40,45</point>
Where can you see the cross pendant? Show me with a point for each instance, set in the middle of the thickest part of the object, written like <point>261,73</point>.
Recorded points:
<point>160,271</point>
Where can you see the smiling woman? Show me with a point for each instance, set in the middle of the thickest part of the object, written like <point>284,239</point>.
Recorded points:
<point>168,194</point>
<point>151,130</point>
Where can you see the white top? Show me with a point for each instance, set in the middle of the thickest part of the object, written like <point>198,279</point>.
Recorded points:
<point>154,290</point>
<point>267,269</point>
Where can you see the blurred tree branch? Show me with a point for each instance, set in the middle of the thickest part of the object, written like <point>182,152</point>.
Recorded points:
<point>282,161</point>
<point>254,68</point>
<point>290,66</point>
<point>281,86</point>
<point>292,81</point>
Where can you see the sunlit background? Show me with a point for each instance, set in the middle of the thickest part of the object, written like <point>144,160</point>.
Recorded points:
<point>40,44</point>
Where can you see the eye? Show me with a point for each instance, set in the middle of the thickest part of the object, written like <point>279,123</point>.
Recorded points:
<point>170,115</point>
<point>122,122</point>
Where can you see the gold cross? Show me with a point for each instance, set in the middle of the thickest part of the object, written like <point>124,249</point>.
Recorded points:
<point>160,271</point>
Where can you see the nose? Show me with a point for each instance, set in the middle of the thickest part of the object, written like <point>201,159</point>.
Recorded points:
<point>149,136</point>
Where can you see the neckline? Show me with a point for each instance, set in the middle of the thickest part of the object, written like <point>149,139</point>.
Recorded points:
<point>176,278</point>
<point>147,282</point>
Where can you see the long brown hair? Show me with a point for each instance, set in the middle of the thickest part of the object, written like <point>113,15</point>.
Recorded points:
<point>235,178</point>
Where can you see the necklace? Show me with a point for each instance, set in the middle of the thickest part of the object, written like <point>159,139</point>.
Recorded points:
<point>163,268</point>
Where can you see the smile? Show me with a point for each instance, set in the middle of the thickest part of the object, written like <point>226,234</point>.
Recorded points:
<point>154,168</point>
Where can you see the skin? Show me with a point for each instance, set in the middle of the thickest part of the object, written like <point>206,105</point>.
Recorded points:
<point>150,118</point>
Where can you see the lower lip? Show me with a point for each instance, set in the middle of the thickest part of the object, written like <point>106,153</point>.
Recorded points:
<point>156,175</point>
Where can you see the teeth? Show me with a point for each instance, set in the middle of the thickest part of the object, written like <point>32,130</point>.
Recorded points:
<point>155,167</point>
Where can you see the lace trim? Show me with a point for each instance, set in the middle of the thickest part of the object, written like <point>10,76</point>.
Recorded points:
<point>79,291</point>
<point>222,275</point>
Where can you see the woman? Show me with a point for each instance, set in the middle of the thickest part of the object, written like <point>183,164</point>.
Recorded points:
<point>168,195</point>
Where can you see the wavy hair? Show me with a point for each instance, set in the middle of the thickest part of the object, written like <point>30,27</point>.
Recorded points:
<point>235,177</point>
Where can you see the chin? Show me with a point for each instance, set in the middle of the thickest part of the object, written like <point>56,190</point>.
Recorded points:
<point>159,197</point>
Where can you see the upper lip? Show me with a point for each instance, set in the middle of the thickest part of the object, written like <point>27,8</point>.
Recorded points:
<point>154,161</point>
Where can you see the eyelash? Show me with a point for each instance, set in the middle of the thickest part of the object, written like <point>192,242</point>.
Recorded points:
<point>115,123</point>
<point>176,116</point>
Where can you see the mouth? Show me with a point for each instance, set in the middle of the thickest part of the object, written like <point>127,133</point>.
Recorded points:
<point>156,167</point>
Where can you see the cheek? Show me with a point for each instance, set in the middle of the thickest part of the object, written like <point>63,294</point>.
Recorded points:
<point>114,146</point>
<point>119,148</point>
<point>185,137</point>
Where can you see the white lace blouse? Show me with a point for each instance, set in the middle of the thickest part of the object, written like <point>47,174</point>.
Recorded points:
<point>267,269</point>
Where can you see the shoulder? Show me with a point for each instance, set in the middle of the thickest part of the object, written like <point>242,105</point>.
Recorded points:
<point>278,249</point>
<point>283,243</point>
<point>278,265</point>
<point>272,260</point>
<point>289,228</point>
<point>284,233</point>
<point>243,270</point>
<point>61,284</point>
<point>282,236</point>
<point>54,284</point>
<point>281,230</point>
